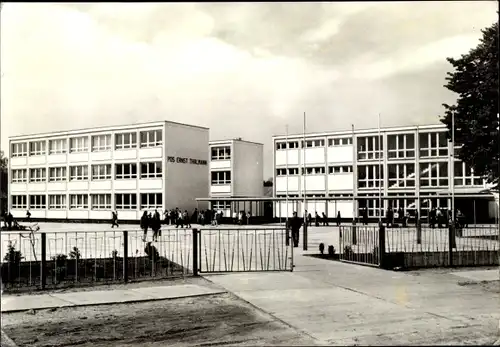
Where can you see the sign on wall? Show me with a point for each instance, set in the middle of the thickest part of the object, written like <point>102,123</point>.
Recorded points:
<point>185,160</point>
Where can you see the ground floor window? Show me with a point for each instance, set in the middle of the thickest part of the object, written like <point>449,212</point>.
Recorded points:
<point>151,201</point>
<point>78,201</point>
<point>126,201</point>
<point>38,202</point>
<point>372,205</point>
<point>19,202</point>
<point>221,205</point>
<point>57,202</point>
<point>101,201</point>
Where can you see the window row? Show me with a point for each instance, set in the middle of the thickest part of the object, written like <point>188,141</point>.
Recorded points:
<point>82,201</point>
<point>315,170</point>
<point>221,153</point>
<point>149,138</point>
<point>220,177</point>
<point>81,172</point>
<point>313,143</point>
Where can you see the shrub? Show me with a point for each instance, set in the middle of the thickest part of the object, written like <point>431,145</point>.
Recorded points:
<point>114,254</point>
<point>348,250</point>
<point>75,253</point>
<point>151,252</point>
<point>321,247</point>
<point>13,257</point>
<point>331,250</point>
<point>60,266</point>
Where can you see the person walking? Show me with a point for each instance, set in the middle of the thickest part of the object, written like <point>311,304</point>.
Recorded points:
<point>339,219</point>
<point>325,219</point>
<point>28,215</point>
<point>114,219</point>
<point>185,216</point>
<point>144,223</point>
<point>294,224</point>
<point>316,219</point>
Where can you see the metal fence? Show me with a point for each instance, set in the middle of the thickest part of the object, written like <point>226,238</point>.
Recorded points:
<point>416,247</point>
<point>41,260</point>
<point>244,250</point>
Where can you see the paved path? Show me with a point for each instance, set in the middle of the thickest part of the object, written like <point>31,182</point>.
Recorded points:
<point>12,303</point>
<point>344,304</point>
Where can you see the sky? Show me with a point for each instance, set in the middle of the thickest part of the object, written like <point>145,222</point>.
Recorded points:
<point>242,69</point>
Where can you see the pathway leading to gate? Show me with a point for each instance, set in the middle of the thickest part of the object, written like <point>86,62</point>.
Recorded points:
<point>343,304</point>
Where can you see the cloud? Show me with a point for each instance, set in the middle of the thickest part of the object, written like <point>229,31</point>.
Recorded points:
<point>242,69</point>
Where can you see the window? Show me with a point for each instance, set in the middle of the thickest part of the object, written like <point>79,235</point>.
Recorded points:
<point>464,175</point>
<point>19,202</point>
<point>426,204</point>
<point>57,146</point>
<point>151,138</point>
<point>433,144</point>
<point>37,148</point>
<point>38,175</point>
<point>370,176</point>
<point>340,142</point>
<point>221,177</point>
<point>280,145</point>
<point>315,143</point>
<point>401,146</point>
<point>126,140</point>
<point>151,201</point>
<point>79,173</point>
<point>370,148</point>
<point>314,170</point>
<point>220,205</point>
<point>57,174</point>
<point>280,172</point>
<point>126,171</point>
<point>126,201</point>
<point>405,204</point>
<point>434,174</point>
<point>19,175</point>
<point>79,144</point>
<point>78,201</point>
<point>340,169</point>
<point>57,202</point>
<point>293,145</point>
<point>151,170</point>
<point>19,149</point>
<point>293,171</point>
<point>401,175</point>
<point>101,143</point>
<point>221,153</point>
<point>372,206</point>
<point>38,202</point>
<point>101,172</point>
<point>101,201</point>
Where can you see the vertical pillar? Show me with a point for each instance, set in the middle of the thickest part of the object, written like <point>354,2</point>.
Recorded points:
<point>125,256</point>
<point>195,252</point>
<point>43,269</point>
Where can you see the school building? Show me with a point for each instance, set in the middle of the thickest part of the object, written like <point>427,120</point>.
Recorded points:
<point>85,174</point>
<point>409,167</point>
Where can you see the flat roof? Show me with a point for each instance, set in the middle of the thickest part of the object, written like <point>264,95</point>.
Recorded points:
<point>364,131</point>
<point>101,129</point>
<point>228,141</point>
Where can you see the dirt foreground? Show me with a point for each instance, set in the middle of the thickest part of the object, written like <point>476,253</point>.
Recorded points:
<point>210,320</point>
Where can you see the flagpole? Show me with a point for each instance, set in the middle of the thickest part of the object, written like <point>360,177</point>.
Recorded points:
<point>353,177</point>
<point>286,168</point>
<point>379,174</point>
<point>304,239</point>
<point>453,168</point>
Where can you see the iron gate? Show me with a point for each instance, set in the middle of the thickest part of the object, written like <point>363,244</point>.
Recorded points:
<point>359,244</point>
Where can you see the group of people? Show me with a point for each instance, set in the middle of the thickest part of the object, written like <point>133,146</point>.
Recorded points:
<point>443,217</point>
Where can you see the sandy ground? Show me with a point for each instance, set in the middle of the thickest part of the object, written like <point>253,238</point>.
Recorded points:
<point>210,320</point>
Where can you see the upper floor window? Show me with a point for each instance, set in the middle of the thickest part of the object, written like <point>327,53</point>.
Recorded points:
<point>339,169</point>
<point>151,170</point>
<point>151,201</point>
<point>221,177</point>
<point>126,201</point>
<point>19,176</point>
<point>19,202</point>
<point>37,148</point>
<point>101,201</point>
<point>78,201</point>
<point>221,153</point>
<point>79,173</point>
<point>313,170</point>
<point>126,171</point>
<point>370,148</point>
<point>280,145</point>
<point>340,142</point>
<point>464,175</point>
<point>315,143</point>
<point>434,174</point>
<point>101,172</point>
<point>126,140</point>
<point>370,176</point>
<point>38,175</point>
<point>151,138</point>
<point>79,144</point>
<point>57,146</point>
<point>19,149</point>
<point>57,174</point>
<point>57,202</point>
<point>433,144</point>
<point>101,143</point>
<point>401,146</point>
<point>291,172</point>
<point>293,144</point>
<point>401,176</point>
<point>38,202</point>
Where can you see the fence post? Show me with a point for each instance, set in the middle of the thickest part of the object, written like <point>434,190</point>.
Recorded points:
<point>304,239</point>
<point>381,246</point>
<point>43,266</point>
<point>195,251</point>
<point>419,233</point>
<point>125,256</point>
<point>451,242</point>
<point>354,234</point>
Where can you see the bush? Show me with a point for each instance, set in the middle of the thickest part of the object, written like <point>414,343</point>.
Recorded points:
<point>331,250</point>
<point>114,255</point>
<point>13,257</point>
<point>152,252</point>
<point>75,253</point>
<point>321,247</point>
<point>60,261</point>
<point>348,250</point>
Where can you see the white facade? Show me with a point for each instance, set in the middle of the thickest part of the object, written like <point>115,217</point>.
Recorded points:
<point>86,174</point>
<point>236,170</point>
<point>346,164</point>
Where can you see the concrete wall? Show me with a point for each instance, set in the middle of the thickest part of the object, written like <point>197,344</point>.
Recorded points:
<point>247,173</point>
<point>186,181</point>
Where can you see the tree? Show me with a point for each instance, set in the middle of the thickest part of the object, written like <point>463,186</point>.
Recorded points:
<point>269,182</point>
<point>3,182</point>
<point>475,80</point>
